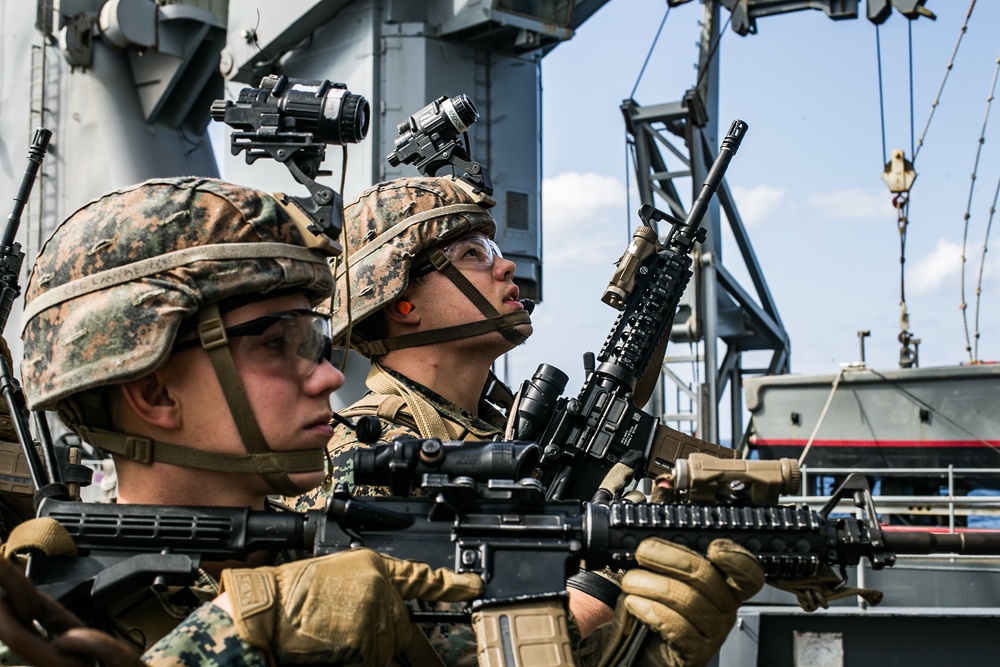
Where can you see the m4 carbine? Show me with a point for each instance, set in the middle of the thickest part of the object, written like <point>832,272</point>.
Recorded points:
<point>582,438</point>
<point>522,546</point>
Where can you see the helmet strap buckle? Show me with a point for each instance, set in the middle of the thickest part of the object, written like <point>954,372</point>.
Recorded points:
<point>212,333</point>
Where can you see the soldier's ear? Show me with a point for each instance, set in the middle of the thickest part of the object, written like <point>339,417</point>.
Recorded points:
<point>151,401</point>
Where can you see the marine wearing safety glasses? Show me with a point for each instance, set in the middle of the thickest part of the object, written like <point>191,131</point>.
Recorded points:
<point>289,341</point>
<point>475,251</point>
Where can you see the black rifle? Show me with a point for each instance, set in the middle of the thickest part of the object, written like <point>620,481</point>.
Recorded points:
<point>584,437</point>
<point>48,478</point>
<point>522,546</point>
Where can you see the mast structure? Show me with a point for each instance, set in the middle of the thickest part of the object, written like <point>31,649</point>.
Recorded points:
<point>716,308</point>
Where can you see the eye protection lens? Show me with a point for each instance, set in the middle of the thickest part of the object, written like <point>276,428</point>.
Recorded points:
<point>294,341</point>
<point>473,251</point>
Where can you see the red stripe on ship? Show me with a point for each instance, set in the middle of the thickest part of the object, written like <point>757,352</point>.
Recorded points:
<point>762,442</point>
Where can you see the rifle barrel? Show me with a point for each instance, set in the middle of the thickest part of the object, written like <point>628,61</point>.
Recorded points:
<point>912,542</point>
<point>36,153</point>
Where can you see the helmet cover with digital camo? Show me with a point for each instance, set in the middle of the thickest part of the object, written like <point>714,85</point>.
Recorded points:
<point>112,285</point>
<point>387,230</point>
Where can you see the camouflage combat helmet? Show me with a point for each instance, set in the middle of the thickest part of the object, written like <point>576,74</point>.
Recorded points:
<point>113,283</point>
<point>387,230</point>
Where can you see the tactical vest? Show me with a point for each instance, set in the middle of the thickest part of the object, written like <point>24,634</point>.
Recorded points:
<point>397,403</point>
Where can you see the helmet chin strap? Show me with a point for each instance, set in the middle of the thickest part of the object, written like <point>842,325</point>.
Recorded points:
<point>271,465</point>
<point>259,459</point>
<point>506,324</point>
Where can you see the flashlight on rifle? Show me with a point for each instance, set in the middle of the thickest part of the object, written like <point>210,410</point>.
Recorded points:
<point>702,478</point>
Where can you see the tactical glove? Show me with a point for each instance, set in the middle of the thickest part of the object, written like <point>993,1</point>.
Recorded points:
<point>343,608</point>
<point>43,632</point>
<point>689,600</point>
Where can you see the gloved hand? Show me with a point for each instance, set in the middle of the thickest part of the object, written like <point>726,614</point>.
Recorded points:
<point>688,599</point>
<point>24,609</point>
<point>342,608</point>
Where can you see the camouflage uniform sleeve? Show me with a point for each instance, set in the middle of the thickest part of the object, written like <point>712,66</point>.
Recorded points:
<point>206,638</point>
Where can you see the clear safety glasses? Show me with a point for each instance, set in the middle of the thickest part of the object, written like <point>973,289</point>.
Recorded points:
<point>291,341</point>
<point>472,251</point>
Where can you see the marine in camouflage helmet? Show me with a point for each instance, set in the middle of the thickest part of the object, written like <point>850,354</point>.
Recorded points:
<point>393,228</point>
<point>113,284</point>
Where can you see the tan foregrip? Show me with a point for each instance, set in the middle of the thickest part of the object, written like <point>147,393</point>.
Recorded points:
<point>531,634</point>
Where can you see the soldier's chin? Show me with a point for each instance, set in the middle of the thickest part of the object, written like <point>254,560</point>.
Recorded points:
<point>307,481</point>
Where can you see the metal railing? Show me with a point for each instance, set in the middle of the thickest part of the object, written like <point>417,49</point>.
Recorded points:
<point>948,504</point>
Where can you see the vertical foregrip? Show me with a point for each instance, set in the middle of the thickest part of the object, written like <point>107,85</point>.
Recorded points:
<point>523,635</point>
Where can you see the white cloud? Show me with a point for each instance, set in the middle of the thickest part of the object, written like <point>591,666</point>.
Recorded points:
<point>584,219</point>
<point>757,203</point>
<point>937,269</point>
<point>943,266</point>
<point>853,204</point>
<point>571,201</point>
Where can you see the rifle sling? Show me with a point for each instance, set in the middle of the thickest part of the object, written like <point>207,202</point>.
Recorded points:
<point>419,652</point>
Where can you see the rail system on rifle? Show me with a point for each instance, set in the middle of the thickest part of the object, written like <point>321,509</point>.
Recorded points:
<point>582,438</point>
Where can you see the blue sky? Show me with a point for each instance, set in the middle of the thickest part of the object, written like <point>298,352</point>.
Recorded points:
<point>806,179</point>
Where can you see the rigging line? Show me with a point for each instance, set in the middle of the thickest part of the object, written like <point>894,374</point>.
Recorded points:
<point>629,165</point>
<point>968,210</point>
<point>989,224</point>
<point>650,53</point>
<point>254,38</point>
<point>982,262</point>
<point>902,223</point>
<point>822,415</point>
<point>881,94</point>
<point>947,71</point>
<point>924,404</point>
<point>909,26</point>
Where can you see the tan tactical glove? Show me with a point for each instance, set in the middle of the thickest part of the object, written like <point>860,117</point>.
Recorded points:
<point>688,599</point>
<point>344,608</point>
